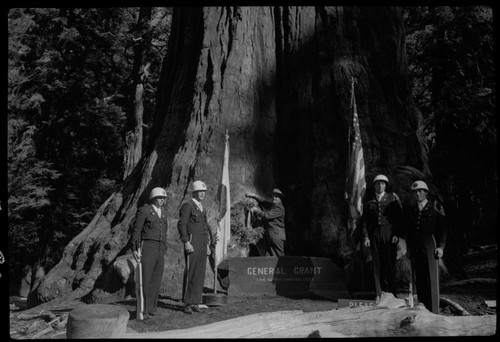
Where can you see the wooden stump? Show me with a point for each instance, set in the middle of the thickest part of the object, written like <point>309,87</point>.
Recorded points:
<point>97,321</point>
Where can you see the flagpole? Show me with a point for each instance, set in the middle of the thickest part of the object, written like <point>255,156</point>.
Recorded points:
<point>215,257</point>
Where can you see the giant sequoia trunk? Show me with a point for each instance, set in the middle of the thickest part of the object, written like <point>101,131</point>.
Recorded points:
<point>278,80</point>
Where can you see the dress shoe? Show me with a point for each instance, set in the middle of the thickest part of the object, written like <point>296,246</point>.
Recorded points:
<point>196,308</point>
<point>187,310</point>
<point>153,313</point>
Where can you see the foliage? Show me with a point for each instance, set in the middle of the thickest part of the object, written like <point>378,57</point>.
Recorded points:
<point>244,234</point>
<point>68,83</point>
<point>450,52</point>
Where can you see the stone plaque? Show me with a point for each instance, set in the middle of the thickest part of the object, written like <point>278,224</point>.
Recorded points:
<point>286,276</point>
<point>352,303</point>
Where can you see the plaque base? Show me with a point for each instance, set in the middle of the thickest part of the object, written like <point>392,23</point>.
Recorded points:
<point>286,276</point>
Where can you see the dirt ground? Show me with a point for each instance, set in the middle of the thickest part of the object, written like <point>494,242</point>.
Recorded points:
<point>471,297</point>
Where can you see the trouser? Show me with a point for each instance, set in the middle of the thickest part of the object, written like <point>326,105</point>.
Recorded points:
<point>275,241</point>
<point>384,264</point>
<point>420,262</point>
<point>194,273</point>
<point>152,261</point>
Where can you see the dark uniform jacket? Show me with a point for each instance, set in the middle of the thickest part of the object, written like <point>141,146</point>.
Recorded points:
<point>275,217</point>
<point>149,226</point>
<point>387,213</point>
<point>193,222</point>
<point>430,220</point>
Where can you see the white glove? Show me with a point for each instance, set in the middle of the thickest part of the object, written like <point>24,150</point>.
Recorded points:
<point>366,242</point>
<point>439,252</point>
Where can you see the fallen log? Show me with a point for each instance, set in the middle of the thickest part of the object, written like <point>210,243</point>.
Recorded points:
<point>348,322</point>
<point>46,315</point>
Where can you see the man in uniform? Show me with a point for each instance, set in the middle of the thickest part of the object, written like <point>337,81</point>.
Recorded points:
<point>381,220</point>
<point>274,223</point>
<point>150,234</point>
<point>426,235</point>
<point>198,243</point>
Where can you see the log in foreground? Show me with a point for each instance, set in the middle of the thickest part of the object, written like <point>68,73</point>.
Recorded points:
<point>97,321</point>
<point>346,322</point>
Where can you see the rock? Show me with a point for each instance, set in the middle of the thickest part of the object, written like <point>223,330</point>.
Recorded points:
<point>124,267</point>
<point>388,300</point>
<point>97,321</point>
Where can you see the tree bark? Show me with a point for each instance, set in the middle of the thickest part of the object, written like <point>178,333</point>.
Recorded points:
<point>278,79</point>
<point>133,137</point>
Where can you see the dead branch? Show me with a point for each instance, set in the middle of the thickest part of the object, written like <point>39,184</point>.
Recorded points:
<point>488,281</point>
<point>456,306</point>
<point>46,315</point>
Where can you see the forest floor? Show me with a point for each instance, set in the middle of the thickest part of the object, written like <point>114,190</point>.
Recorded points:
<point>469,294</point>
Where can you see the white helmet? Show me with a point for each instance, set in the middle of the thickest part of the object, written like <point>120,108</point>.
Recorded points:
<point>157,192</point>
<point>381,178</point>
<point>419,185</point>
<point>199,186</point>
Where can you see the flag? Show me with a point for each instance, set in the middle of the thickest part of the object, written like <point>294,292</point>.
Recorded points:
<point>224,201</point>
<point>355,184</point>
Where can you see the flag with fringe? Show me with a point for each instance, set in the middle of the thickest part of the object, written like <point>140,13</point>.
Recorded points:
<point>355,183</point>
<point>224,202</point>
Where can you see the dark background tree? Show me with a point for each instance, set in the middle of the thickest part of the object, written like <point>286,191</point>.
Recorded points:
<point>278,78</point>
<point>452,71</point>
<point>69,80</point>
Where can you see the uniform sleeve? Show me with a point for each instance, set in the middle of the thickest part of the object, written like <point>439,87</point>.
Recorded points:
<point>274,212</point>
<point>138,224</point>
<point>184,214</point>
<point>442,231</point>
<point>404,222</point>
<point>397,216</point>
<point>362,223</point>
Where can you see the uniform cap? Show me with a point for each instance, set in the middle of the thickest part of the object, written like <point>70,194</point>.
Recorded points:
<point>278,192</point>
<point>157,192</point>
<point>199,186</point>
<point>419,185</point>
<point>381,178</point>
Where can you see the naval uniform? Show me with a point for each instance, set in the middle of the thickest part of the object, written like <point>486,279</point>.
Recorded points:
<point>193,227</point>
<point>424,223</point>
<point>382,219</point>
<point>151,227</point>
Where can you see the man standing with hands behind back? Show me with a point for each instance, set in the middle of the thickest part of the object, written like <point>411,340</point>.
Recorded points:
<point>150,235</point>
<point>198,243</point>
